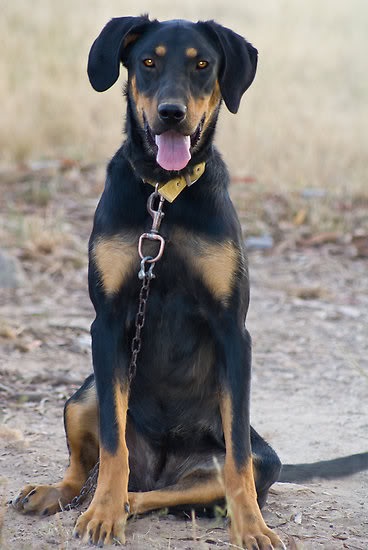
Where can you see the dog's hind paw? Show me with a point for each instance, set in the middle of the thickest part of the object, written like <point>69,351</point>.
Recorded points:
<point>43,500</point>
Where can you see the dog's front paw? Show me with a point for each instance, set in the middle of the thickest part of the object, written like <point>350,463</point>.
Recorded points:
<point>43,499</point>
<point>103,522</point>
<point>249,531</point>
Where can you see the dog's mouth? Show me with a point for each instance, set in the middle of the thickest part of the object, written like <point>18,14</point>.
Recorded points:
<point>173,150</point>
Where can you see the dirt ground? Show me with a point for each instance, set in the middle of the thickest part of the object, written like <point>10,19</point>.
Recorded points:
<point>308,319</point>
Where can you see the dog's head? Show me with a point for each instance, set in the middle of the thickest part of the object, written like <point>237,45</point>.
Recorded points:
<point>178,72</point>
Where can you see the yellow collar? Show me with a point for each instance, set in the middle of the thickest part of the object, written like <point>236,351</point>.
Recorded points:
<point>172,189</point>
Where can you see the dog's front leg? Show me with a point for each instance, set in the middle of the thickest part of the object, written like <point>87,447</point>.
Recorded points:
<point>248,529</point>
<point>104,520</point>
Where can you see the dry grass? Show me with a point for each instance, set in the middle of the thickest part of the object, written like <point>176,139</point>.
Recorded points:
<point>303,122</point>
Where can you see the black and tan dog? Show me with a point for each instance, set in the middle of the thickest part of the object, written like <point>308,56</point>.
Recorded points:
<point>178,432</point>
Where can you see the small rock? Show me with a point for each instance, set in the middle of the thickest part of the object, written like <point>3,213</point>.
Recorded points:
<point>311,193</point>
<point>297,518</point>
<point>263,242</point>
<point>350,311</point>
<point>82,344</point>
<point>11,272</point>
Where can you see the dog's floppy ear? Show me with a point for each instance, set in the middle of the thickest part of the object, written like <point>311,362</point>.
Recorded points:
<point>108,48</point>
<point>238,63</point>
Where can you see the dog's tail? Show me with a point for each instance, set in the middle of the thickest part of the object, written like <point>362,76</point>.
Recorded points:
<point>325,469</point>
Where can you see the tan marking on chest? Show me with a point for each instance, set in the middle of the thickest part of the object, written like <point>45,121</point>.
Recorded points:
<point>217,263</point>
<point>115,257</point>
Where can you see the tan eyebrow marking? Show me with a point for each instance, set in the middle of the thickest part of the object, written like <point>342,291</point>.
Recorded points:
<point>191,52</point>
<point>160,50</point>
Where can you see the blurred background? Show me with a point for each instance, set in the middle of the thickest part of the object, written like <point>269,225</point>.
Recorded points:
<point>304,122</point>
<point>297,152</point>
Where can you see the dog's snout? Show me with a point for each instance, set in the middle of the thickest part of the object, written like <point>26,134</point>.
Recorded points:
<point>172,112</point>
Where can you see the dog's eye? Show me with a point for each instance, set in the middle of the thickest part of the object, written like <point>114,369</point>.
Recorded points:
<point>148,62</point>
<point>202,64</point>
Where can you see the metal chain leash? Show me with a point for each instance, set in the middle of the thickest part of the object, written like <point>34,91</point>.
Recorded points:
<point>87,488</point>
<point>146,275</point>
<point>140,319</point>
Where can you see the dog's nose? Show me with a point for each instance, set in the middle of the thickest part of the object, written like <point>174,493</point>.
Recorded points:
<point>172,112</point>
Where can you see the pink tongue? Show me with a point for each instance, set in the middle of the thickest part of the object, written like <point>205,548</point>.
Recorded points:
<point>173,150</point>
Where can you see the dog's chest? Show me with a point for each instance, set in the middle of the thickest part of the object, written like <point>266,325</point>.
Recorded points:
<point>176,380</point>
<point>214,264</point>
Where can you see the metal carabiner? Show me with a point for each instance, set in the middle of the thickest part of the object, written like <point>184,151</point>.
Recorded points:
<point>156,215</point>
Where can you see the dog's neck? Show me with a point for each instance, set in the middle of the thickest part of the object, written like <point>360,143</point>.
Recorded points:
<point>144,163</point>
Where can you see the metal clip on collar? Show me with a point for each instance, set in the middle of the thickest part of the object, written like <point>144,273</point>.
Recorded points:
<point>156,215</point>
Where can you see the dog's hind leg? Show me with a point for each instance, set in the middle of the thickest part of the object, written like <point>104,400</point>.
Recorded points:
<point>203,483</point>
<point>80,419</point>
<point>192,490</point>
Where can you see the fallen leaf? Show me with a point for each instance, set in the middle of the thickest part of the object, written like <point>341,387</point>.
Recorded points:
<point>8,332</point>
<point>300,217</point>
<point>340,536</point>
<point>360,244</point>
<point>29,346</point>
<point>309,293</point>
<point>320,239</point>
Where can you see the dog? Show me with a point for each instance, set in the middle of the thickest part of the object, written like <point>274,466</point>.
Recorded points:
<point>178,433</point>
<point>170,428</point>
